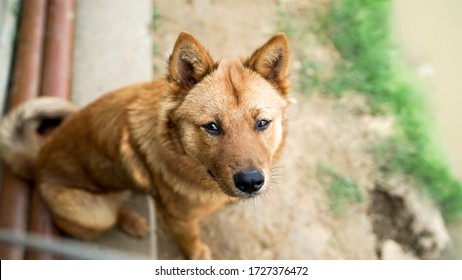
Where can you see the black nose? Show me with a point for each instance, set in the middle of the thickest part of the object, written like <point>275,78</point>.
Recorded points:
<point>249,181</point>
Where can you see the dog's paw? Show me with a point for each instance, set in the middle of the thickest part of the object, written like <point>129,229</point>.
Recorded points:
<point>204,253</point>
<point>133,223</point>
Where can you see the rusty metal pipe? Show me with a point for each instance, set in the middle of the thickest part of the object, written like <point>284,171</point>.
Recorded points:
<point>14,195</point>
<point>56,75</point>
<point>56,78</point>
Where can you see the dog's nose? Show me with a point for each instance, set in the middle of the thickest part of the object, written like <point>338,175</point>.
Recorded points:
<point>249,181</point>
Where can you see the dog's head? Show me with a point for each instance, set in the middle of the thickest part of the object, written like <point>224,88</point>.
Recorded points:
<point>230,115</point>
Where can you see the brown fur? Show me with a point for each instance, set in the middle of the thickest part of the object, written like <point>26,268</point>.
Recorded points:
<point>151,138</point>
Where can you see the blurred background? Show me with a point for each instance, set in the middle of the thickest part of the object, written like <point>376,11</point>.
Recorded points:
<point>428,34</point>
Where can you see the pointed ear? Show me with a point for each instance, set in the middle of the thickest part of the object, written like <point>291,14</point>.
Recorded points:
<point>271,60</point>
<point>189,62</point>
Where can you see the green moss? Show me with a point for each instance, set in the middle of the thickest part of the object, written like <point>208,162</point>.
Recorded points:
<point>341,189</point>
<point>155,17</point>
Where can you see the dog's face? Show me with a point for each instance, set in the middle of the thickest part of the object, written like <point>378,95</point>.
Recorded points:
<point>231,115</point>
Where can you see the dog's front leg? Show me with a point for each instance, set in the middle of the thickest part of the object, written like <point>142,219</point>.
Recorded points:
<point>187,234</point>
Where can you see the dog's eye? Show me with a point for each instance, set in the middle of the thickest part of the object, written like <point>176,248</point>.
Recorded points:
<point>262,124</point>
<point>212,128</point>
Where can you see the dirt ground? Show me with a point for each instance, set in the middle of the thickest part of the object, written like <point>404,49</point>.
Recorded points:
<point>296,218</point>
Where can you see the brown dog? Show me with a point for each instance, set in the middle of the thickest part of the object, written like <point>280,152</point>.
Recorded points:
<point>204,135</point>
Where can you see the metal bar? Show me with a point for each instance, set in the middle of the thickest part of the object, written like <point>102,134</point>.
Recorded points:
<point>69,248</point>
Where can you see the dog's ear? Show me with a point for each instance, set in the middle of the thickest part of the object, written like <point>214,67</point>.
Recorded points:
<point>189,62</point>
<point>271,61</point>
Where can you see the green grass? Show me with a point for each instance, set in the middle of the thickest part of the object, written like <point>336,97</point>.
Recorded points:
<point>341,189</point>
<point>360,32</point>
